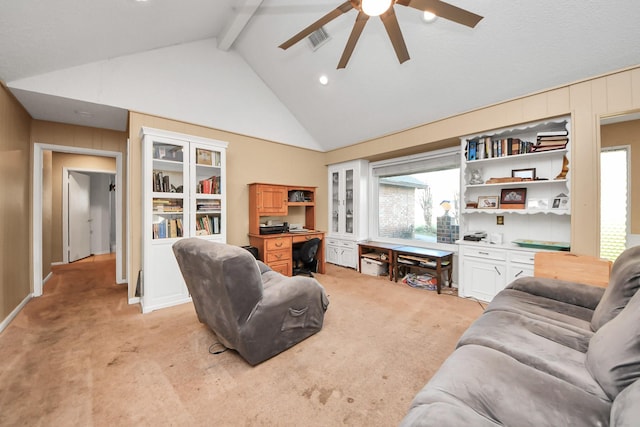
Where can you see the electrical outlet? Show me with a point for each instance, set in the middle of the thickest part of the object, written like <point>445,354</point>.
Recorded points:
<point>500,219</point>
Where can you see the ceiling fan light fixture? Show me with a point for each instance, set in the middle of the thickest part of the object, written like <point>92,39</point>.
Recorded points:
<point>375,7</point>
<point>428,16</point>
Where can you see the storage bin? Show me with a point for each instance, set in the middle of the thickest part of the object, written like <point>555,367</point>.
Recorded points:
<point>373,267</point>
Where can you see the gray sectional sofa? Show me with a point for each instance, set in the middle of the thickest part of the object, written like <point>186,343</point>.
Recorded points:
<point>545,352</point>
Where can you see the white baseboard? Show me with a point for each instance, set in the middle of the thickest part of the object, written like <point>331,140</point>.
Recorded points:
<point>134,300</point>
<point>14,313</point>
<point>44,281</point>
<point>58,263</point>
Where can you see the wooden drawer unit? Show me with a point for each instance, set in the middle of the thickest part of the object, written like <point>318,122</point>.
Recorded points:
<point>283,268</point>
<point>278,256</point>
<point>278,243</point>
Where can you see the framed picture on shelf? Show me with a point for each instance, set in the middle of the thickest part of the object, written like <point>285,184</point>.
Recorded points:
<point>513,198</point>
<point>538,203</point>
<point>488,202</point>
<point>203,157</point>
<point>560,202</point>
<point>529,173</point>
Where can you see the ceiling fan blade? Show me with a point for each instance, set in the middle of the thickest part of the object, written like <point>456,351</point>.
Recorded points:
<point>358,26</point>
<point>393,29</point>
<point>343,8</point>
<point>444,10</point>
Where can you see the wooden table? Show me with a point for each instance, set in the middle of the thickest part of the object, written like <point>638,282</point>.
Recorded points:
<point>379,247</point>
<point>427,259</point>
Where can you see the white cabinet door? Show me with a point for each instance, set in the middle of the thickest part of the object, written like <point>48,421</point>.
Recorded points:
<point>520,265</point>
<point>515,271</point>
<point>483,278</point>
<point>333,254</point>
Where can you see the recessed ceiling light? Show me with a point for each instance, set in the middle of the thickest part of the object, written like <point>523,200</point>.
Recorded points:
<point>324,80</point>
<point>429,16</point>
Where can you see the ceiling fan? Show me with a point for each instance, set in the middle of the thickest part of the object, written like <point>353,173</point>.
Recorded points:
<point>384,9</point>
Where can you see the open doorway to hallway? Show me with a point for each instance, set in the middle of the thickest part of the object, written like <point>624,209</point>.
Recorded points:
<point>48,223</point>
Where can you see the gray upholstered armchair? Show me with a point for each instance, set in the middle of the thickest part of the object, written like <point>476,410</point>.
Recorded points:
<point>252,309</point>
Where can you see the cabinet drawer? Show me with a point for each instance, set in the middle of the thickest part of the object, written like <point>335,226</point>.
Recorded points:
<point>283,268</point>
<point>522,257</point>
<point>305,237</point>
<point>486,253</point>
<point>276,256</point>
<point>277,244</point>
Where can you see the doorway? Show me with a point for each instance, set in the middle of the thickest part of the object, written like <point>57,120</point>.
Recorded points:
<point>619,143</point>
<point>614,206</point>
<point>88,213</point>
<point>37,214</point>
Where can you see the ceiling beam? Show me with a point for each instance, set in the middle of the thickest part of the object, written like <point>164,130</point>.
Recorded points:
<point>235,27</point>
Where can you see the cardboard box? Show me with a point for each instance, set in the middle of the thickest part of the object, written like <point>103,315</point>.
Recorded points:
<point>373,267</point>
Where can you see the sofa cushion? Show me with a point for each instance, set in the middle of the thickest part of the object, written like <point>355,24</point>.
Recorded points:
<point>548,348</point>
<point>506,392</point>
<point>623,284</point>
<point>613,357</point>
<point>559,313</point>
<point>625,411</point>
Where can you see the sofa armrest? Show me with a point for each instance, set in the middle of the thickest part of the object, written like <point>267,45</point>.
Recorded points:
<point>560,290</point>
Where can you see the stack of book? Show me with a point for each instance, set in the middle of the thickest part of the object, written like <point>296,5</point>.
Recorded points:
<point>166,205</point>
<point>552,140</point>
<point>206,206</point>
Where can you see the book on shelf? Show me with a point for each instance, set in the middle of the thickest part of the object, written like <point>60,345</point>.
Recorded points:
<point>167,206</point>
<point>209,186</point>
<point>167,229</point>
<point>208,205</point>
<point>161,182</point>
<point>487,148</point>
<point>553,133</point>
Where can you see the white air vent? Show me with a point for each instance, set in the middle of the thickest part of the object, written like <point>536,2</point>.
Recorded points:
<point>318,38</point>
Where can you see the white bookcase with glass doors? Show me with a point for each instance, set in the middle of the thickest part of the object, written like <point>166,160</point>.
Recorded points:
<point>347,212</point>
<point>183,196</point>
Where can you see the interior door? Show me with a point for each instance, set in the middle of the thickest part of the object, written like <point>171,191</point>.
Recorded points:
<point>79,216</point>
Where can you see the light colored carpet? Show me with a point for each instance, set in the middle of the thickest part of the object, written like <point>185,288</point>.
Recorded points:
<point>81,356</point>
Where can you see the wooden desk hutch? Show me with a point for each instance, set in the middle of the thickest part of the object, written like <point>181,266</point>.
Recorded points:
<point>274,200</point>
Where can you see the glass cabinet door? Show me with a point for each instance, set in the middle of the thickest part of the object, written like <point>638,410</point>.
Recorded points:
<point>207,192</point>
<point>167,181</point>
<point>335,202</point>
<point>348,201</point>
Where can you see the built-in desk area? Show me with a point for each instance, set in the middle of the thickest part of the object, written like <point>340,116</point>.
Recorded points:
<point>400,257</point>
<point>275,200</point>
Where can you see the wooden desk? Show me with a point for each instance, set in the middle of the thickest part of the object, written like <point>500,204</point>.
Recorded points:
<point>430,259</point>
<point>378,247</point>
<point>275,249</point>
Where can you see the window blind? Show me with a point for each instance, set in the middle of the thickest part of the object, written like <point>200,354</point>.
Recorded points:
<point>448,158</point>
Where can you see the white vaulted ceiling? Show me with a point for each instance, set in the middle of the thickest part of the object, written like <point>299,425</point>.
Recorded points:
<point>217,62</point>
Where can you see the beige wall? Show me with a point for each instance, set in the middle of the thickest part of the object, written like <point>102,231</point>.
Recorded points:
<point>586,101</point>
<point>248,160</point>
<point>627,133</point>
<point>44,132</point>
<point>15,275</point>
<point>71,161</point>
<point>253,159</point>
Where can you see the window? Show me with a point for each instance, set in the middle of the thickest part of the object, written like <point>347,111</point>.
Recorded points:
<point>416,199</point>
<point>613,201</point>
